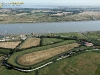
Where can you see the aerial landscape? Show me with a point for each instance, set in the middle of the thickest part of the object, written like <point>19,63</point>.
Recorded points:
<point>50,37</point>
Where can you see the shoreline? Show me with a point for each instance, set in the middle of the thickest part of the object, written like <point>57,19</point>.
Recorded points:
<point>49,22</point>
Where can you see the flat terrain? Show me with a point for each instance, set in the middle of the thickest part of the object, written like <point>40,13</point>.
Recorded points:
<point>35,57</point>
<point>5,71</point>
<point>47,41</point>
<point>83,64</point>
<point>30,42</point>
<point>9,44</point>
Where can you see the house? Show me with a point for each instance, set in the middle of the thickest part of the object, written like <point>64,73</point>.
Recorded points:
<point>23,37</point>
<point>3,39</point>
<point>88,44</point>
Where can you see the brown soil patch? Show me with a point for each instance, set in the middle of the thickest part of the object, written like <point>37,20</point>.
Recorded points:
<point>9,44</point>
<point>31,42</point>
<point>35,57</point>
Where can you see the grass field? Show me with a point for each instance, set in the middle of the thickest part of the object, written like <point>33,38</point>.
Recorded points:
<point>4,51</point>
<point>92,35</point>
<point>46,41</point>
<point>30,42</point>
<point>71,34</point>
<point>87,63</point>
<point>9,44</point>
<point>5,71</point>
<point>1,55</point>
<point>83,64</point>
<point>36,57</point>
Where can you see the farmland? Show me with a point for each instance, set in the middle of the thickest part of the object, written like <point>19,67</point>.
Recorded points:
<point>30,42</point>
<point>5,71</point>
<point>83,64</point>
<point>35,57</point>
<point>47,41</point>
<point>9,44</point>
<point>12,59</point>
<point>51,49</point>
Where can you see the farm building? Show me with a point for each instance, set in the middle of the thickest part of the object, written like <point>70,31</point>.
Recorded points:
<point>88,44</point>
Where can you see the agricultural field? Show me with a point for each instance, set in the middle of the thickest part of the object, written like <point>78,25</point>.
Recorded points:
<point>9,44</point>
<point>83,64</point>
<point>47,41</point>
<point>12,58</point>
<point>92,35</point>
<point>36,57</point>
<point>30,42</point>
<point>4,51</point>
<point>71,34</point>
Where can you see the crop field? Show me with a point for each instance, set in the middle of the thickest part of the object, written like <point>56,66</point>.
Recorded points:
<point>30,42</point>
<point>9,44</point>
<point>12,58</point>
<point>35,57</point>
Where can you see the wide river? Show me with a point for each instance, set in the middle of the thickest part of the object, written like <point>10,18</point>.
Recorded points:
<point>54,27</point>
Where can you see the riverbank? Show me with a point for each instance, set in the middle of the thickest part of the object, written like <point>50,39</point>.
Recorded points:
<point>41,17</point>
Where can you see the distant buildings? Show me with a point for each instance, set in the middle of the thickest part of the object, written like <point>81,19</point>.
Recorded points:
<point>2,38</point>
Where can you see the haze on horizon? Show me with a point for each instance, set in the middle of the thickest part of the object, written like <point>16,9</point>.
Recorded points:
<point>57,2</point>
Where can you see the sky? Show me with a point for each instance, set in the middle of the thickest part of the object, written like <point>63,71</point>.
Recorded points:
<point>65,2</point>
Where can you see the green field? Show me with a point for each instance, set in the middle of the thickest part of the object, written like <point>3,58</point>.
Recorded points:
<point>83,64</point>
<point>72,34</point>
<point>4,51</point>
<point>5,71</point>
<point>47,41</point>
<point>92,35</point>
